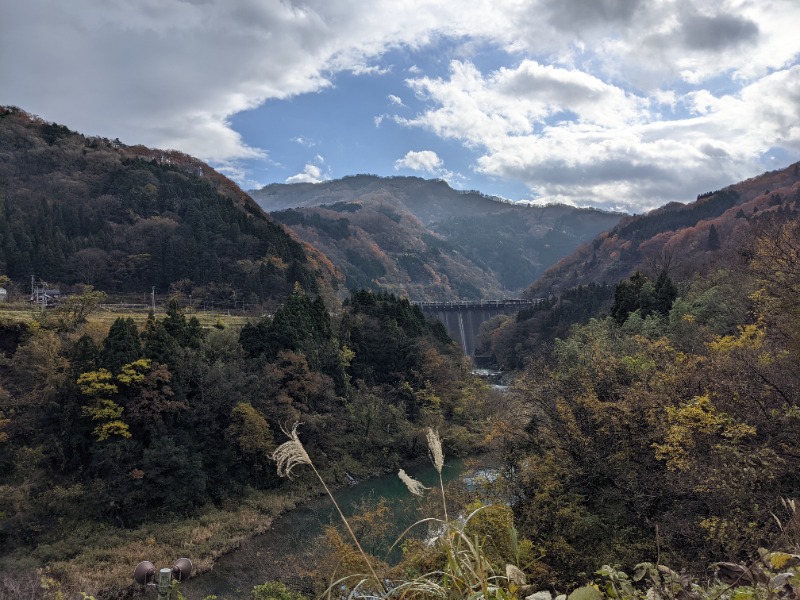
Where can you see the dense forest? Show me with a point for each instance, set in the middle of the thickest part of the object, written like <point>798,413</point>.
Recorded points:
<point>76,209</point>
<point>662,412</point>
<point>120,427</point>
<point>678,236</point>
<point>653,418</point>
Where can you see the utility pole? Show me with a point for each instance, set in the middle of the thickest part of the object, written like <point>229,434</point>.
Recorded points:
<point>153,296</point>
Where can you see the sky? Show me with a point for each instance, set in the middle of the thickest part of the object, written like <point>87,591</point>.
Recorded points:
<point>616,104</point>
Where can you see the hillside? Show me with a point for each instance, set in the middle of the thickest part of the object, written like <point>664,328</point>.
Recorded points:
<point>423,239</point>
<point>682,238</point>
<point>77,209</point>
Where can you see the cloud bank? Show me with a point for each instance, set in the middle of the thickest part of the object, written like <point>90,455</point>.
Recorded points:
<point>614,103</point>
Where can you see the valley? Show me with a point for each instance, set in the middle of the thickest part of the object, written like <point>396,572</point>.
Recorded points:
<point>650,416</point>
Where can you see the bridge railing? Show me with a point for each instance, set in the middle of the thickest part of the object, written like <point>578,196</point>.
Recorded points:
<point>467,304</point>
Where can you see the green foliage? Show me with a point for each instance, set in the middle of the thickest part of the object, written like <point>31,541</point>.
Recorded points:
<point>512,342</point>
<point>385,333</point>
<point>639,293</point>
<point>75,310</point>
<point>336,229</point>
<point>250,432</point>
<point>121,346</point>
<point>669,432</point>
<point>147,428</point>
<point>362,270</point>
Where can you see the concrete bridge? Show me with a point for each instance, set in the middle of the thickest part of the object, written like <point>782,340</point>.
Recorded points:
<point>463,318</point>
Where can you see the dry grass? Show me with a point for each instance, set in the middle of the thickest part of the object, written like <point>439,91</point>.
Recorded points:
<point>24,313</point>
<point>100,558</point>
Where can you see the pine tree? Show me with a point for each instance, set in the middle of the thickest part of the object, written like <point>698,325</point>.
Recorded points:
<point>158,344</point>
<point>713,239</point>
<point>121,346</point>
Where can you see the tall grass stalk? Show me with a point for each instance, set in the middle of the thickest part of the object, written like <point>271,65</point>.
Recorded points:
<point>467,571</point>
<point>292,454</point>
<point>437,457</point>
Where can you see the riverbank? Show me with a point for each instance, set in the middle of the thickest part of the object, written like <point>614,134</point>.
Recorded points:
<point>99,558</point>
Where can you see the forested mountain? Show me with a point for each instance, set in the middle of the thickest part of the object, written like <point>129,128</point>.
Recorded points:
<point>662,407</point>
<point>423,239</point>
<point>681,238</point>
<point>681,242</point>
<point>76,209</point>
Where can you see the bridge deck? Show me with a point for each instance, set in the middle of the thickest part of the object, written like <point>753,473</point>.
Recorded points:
<point>463,318</point>
<point>472,304</point>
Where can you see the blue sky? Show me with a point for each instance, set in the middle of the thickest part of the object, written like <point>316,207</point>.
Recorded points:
<point>619,104</point>
<point>350,127</point>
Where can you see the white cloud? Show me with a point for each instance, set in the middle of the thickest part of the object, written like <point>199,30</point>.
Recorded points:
<point>171,73</point>
<point>311,174</point>
<point>370,70</point>
<point>612,102</point>
<point>515,101</point>
<point>572,138</point>
<point>395,100</point>
<point>426,160</point>
<point>304,142</point>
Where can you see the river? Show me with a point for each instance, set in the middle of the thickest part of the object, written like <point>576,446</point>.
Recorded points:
<point>289,548</point>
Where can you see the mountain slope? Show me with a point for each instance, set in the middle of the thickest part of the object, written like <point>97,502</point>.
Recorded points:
<point>685,239</point>
<point>79,209</point>
<point>423,239</point>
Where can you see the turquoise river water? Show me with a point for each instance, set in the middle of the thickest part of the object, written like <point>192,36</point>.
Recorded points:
<point>289,549</point>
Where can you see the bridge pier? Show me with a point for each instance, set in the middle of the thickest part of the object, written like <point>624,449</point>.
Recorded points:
<point>463,319</point>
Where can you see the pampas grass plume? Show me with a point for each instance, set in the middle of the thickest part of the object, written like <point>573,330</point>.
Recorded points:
<point>435,448</point>
<point>290,454</point>
<point>414,486</point>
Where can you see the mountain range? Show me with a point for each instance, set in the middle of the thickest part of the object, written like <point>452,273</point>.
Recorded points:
<point>685,239</point>
<point>76,209</point>
<point>423,239</point>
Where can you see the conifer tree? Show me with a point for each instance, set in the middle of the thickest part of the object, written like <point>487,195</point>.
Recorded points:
<point>121,346</point>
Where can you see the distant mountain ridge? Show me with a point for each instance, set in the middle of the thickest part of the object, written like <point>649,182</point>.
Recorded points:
<point>423,239</point>
<point>430,200</point>
<point>679,237</point>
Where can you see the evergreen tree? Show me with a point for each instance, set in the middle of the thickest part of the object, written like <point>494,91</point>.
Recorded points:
<point>158,344</point>
<point>84,355</point>
<point>639,293</point>
<point>121,346</point>
<point>713,238</point>
<point>665,294</point>
<point>627,297</point>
